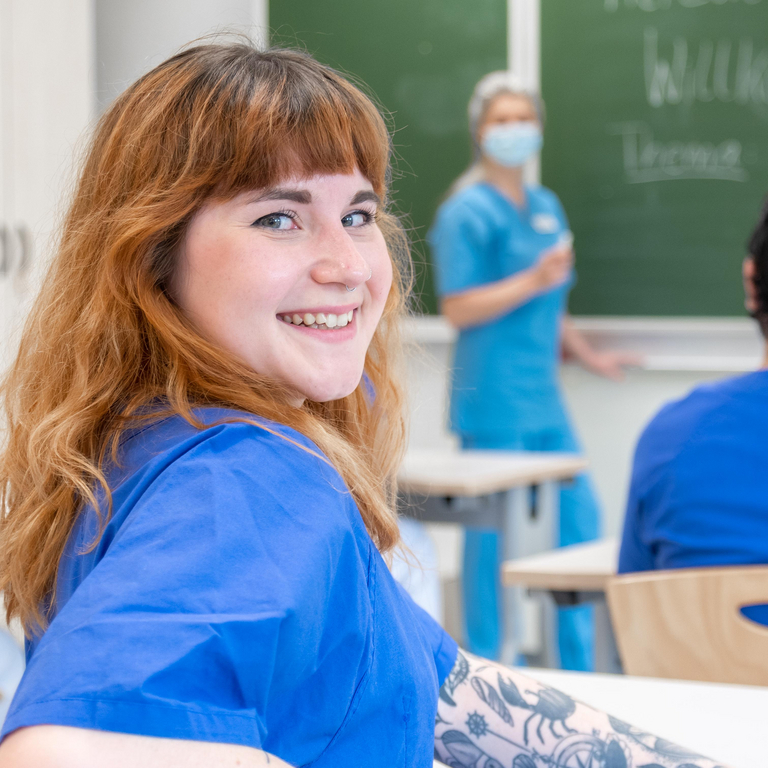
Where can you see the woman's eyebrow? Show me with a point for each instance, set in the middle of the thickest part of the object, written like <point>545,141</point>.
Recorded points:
<point>280,193</point>
<point>303,197</point>
<point>365,196</point>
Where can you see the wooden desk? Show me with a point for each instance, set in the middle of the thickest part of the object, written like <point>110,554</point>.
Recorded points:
<point>724,722</point>
<point>572,575</point>
<point>514,492</point>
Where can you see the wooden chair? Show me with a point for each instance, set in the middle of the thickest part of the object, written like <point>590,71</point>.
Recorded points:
<point>686,624</point>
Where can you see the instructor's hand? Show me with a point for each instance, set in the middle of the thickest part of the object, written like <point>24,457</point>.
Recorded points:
<point>611,365</point>
<point>553,267</point>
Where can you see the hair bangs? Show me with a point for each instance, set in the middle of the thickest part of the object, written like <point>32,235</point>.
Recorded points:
<point>312,123</point>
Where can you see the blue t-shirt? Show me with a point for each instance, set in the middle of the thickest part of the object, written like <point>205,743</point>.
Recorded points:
<point>236,597</point>
<point>505,370</point>
<point>699,490</point>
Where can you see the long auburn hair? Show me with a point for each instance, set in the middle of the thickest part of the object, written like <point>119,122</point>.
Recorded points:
<point>105,339</point>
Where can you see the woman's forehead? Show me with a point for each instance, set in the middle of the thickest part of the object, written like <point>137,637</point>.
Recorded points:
<point>299,182</point>
<point>514,104</point>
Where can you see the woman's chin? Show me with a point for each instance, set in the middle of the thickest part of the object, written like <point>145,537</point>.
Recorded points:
<point>326,392</point>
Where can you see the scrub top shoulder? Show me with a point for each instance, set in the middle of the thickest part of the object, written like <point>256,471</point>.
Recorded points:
<point>505,369</point>
<point>472,232</point>
<point>699,488</point>
<point>236,596</point>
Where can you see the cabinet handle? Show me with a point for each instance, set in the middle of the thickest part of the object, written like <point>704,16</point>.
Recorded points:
<point>5,251</point>
<point>27,247</point>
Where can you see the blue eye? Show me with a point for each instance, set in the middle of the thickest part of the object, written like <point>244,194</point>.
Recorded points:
<point>279,221</point>
<point>357,219</point>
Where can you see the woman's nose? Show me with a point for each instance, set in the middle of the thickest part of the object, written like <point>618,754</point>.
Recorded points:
<point>339,261</point>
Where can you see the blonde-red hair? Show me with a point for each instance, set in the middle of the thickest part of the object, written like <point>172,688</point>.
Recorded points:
<point>104,338</point>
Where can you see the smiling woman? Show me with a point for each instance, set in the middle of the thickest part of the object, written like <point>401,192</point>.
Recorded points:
<point>204,424</point>
<point>226,190</point>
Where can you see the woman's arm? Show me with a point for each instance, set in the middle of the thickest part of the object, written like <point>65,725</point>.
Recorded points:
<point>55,746</point>
<point>490,716</point>
<point>487,302</point>
<point>608,364</point>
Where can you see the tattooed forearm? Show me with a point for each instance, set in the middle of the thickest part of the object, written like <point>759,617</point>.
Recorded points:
<point>490,716</point>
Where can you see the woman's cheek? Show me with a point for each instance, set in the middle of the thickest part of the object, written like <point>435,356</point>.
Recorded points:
<point>384,279</point>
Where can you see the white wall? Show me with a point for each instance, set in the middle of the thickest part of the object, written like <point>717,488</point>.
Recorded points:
<point>135,35</point>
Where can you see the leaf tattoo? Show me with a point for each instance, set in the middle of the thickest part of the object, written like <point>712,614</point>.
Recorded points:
<point>465,754</point>
<point>458,674</point>
<point>456,677</point>
<point>461,748</point>
<point>488,694</point>
<point>511,693</point>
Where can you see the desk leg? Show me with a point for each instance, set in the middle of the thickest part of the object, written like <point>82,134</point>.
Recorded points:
<point>607,657</point>
<point>550,652</point>
<point>526,530</point>
<point>516,510</point>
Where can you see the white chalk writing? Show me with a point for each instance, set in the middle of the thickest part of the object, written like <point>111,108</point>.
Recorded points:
<point>646,159</point>
<point>722,70</point>
<point>664,5</point>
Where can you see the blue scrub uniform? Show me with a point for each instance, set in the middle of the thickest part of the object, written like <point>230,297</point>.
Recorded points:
<point>236,597</point>
<point>505,392</point>
<point>699,491</point>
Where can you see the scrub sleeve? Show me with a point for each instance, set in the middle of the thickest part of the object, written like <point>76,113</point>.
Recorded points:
<point>505,393</point>
<point>236,597</point>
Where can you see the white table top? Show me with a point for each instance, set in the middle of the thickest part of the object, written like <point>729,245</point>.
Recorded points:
<point>579,567</point>
<point>724,722</point>
<point>476,473</point>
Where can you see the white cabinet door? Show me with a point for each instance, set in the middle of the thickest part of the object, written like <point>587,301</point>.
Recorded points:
<point>7,294</point>
<point>46,100</point>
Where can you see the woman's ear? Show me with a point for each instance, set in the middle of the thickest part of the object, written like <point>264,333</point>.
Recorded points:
<point>748,277</point>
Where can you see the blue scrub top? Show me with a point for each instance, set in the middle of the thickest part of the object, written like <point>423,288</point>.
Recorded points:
<point>699,490</point>
<point>236,597</point>
<point>505,370</point>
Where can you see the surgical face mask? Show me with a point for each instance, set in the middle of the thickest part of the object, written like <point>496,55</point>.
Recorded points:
<point>511,144</point>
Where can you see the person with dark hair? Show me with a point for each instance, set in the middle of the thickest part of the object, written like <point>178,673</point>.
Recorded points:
<point>197,482</point>
<point>699,489</point>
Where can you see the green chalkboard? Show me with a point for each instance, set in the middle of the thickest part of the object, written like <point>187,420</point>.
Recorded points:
<point>421,60</point>
<point>657,143</point>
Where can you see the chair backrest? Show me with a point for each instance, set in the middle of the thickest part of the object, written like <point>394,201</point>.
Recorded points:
<point>686,624</point>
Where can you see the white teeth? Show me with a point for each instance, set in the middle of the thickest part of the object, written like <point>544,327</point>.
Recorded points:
<point>321,319</point>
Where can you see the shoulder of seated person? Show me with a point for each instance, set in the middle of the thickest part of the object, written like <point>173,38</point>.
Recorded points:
<point>688,412</point>
<point>713,395</point>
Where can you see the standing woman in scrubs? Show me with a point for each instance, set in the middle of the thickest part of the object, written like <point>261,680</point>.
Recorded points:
<point>203,428</point>
<point>503,260</point>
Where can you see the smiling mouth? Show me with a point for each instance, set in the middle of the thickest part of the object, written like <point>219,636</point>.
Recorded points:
<point>324,321</point>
